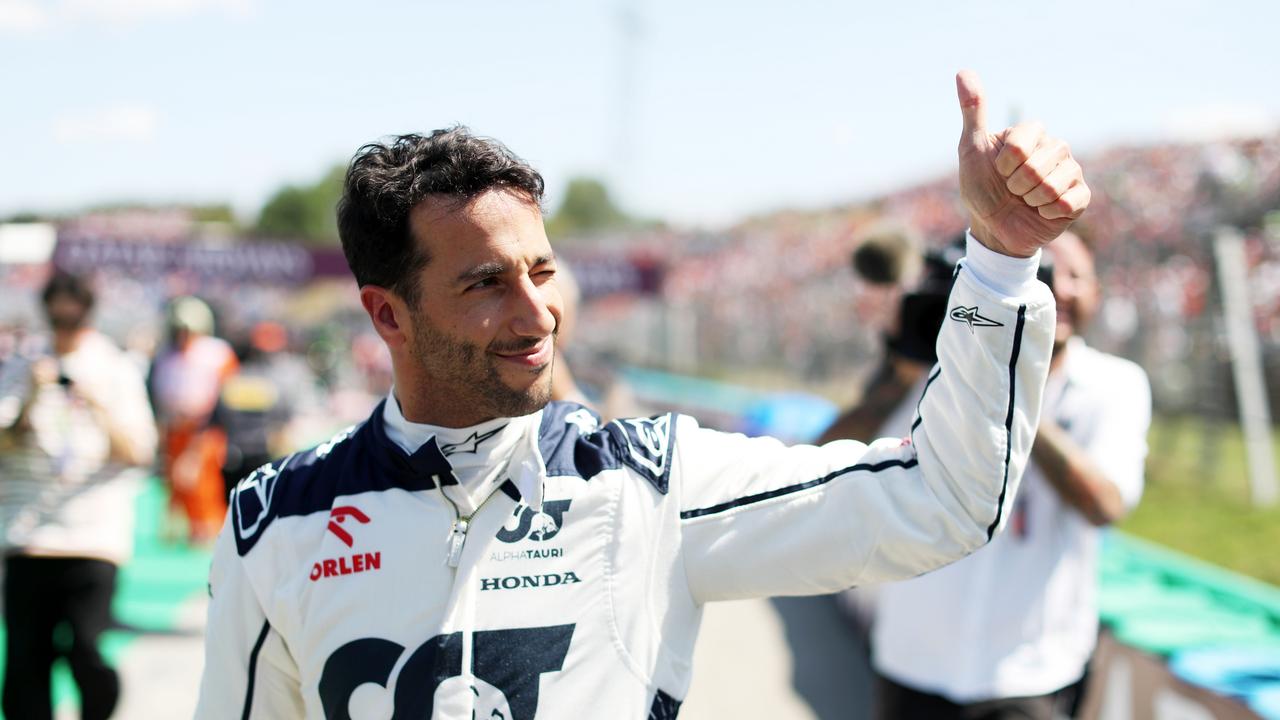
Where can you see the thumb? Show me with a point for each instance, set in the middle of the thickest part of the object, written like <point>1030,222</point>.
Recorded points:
<point>973,103</point>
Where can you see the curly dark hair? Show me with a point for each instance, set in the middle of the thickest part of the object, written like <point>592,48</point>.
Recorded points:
<point>386,181</point>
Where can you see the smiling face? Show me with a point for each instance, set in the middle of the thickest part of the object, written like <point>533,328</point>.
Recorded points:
<point>480,335</point>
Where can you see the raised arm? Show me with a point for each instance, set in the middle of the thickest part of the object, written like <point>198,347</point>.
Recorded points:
<point>759,518</point>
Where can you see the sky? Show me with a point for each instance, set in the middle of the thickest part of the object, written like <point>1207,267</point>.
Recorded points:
<point>695,112</point>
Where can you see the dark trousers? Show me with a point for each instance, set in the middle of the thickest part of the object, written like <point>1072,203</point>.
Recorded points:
<point>41,593</point>
<point>899,702</point>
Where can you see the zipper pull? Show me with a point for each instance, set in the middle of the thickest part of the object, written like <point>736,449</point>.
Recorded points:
<point>457,539</point>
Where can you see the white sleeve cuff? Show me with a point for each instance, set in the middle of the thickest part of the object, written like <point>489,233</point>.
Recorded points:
<point>1001,274</point>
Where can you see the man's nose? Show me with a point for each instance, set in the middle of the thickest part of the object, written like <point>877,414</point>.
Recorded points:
<point>532,315</point>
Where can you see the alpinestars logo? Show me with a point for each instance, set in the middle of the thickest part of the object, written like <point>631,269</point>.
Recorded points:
<point>339,515</point>
<point>971,317</point>
<point>471,444</point>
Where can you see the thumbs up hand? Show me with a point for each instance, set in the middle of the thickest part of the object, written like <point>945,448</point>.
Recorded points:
<point>1022,187</point>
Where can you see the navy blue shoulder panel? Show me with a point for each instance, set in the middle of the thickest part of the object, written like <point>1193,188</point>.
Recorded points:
<point>646,445</point>
<point>357,460</point>
<point>573,443</point>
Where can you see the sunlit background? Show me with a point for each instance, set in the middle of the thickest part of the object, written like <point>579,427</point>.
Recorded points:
<point>710,168</point>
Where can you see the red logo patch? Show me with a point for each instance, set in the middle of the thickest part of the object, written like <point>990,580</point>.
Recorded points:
<point>358,563</point>
<point>339,515</point>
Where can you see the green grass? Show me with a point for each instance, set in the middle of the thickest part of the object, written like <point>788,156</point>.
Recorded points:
<point>1197,498</point>
<point>150,590</point>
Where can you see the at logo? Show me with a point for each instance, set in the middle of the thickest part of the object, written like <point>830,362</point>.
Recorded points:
<point>529,523</point>
<point>252,502</point>
<point>339,515</point>
<point>971,317</point>
<point>647,441</point>
<point>507,664</point>
<point>645,445</point>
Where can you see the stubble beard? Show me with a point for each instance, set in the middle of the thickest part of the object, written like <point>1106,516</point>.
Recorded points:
<point>474,375</point>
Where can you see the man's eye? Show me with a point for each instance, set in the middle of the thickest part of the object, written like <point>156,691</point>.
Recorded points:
<point>487,282</point>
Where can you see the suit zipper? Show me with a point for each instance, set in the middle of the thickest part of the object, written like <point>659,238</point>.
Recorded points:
<point>458,538</point>
<point>461,524</point>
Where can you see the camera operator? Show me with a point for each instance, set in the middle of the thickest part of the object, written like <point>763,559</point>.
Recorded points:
<point>77,432</point>
<point>1008,632</point>
<point>892,261</point>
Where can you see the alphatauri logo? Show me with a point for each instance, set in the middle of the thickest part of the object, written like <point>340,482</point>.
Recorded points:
<point>516,582</point>
<point>525,522</point>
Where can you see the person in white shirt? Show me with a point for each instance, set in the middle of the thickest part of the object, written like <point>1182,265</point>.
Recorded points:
<point>1008,632</point>
<point>76,433</point>
<point>473,550</point>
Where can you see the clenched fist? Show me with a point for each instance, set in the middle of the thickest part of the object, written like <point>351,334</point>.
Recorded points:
<point>1021,186</point>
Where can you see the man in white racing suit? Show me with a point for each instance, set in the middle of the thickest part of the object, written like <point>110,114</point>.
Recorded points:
<point>471,551</point>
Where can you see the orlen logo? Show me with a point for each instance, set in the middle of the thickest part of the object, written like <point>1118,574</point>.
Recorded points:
<point>339,515</point>
<point>357,563</point>
<point>346,565</point>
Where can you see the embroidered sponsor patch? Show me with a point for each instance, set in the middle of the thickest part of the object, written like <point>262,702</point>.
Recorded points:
<point>645,445</point>
<point>251,505</point>
<point>971,317</point>
<point>525,522</point>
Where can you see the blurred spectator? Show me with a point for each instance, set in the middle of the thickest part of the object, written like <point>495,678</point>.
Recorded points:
<point>1008,631</point>
<point>257,403</point>
<point>77,430</point>
<point>563,384</point>
<point>911,329</point>
<point>1154,211</point>
<point>186,380</point>
<point>599,386</point>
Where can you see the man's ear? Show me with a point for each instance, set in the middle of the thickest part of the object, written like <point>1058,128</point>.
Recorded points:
<point>388,312</point>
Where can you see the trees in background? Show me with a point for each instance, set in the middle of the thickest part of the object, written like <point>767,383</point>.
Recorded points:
<point>585,209</point>
<point>304,212</point>
<point>307,212</point>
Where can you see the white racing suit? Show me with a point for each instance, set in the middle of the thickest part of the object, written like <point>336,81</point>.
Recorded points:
<point>345,586</point>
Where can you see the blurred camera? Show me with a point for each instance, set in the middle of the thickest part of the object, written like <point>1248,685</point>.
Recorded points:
<point>924,308</point>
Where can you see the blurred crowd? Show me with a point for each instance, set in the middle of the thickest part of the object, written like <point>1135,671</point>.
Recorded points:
<point>234,376</point>
<point>1152,222</point>
<point>245,356</point>
<point>1153,219</point>
<point>214,329</point>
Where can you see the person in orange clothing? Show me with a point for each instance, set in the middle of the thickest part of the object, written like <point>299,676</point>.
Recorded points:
<point>186,380</point>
